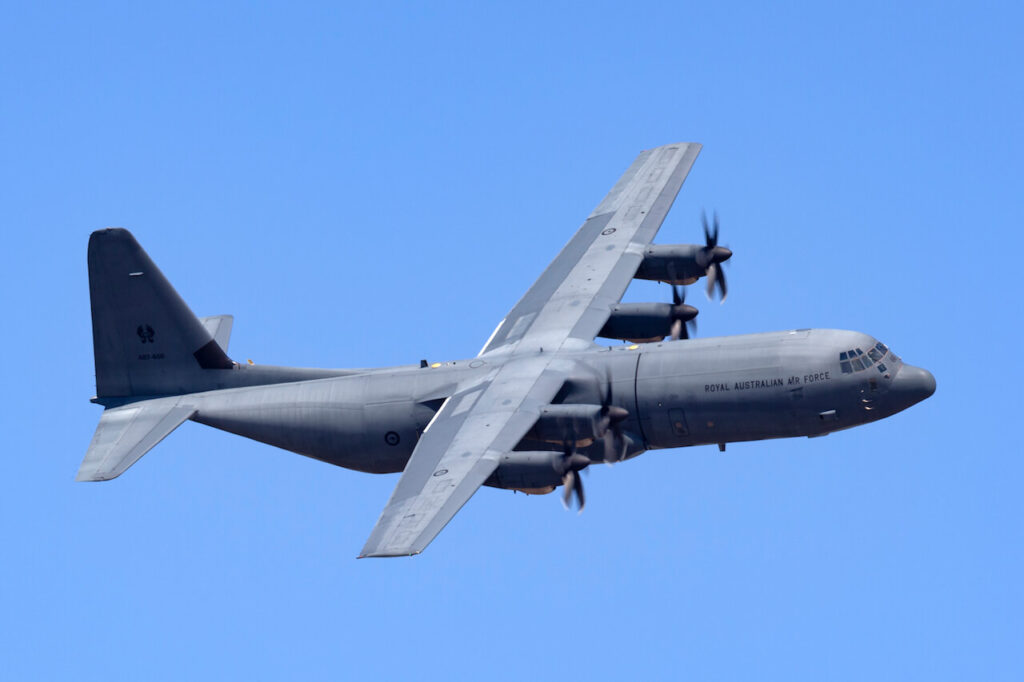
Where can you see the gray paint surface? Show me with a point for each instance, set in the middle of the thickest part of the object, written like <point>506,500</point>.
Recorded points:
<point>573,297</point>
<point>453,427</point>
<point>219,327</point>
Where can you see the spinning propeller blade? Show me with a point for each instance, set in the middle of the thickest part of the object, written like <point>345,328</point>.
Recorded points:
<point>569,466</point>
<point>684,323</point>
<point>712,256</point>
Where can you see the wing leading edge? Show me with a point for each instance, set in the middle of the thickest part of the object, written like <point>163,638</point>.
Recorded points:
<point>574,296</point>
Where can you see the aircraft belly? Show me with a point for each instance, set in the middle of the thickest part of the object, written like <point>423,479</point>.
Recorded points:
<point>366,423</point>
<point>330,433</point>
<point>322,420</point>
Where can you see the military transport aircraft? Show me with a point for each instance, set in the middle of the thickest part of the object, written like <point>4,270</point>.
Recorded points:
<point>541,402</point>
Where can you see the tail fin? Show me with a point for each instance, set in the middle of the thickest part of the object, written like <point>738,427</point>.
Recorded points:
<point>146,340</point>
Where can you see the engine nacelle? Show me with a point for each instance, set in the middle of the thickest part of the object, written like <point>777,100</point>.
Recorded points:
<point>534,472</point>
<point>644,322</point>
<point>672,263</point>
<point>558,423</point>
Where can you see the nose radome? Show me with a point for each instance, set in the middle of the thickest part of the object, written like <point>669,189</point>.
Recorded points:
<point>913,384</point>
<point>929,383</point>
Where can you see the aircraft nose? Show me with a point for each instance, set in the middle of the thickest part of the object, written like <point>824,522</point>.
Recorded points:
<point>912,385</point>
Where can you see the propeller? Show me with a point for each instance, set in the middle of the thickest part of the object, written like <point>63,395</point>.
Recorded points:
<point>616,443</point>
<point>684,323</point>
<point>569,467</point>
<point>712,256</point>
<point>612,416</point>
<point>681,312</point>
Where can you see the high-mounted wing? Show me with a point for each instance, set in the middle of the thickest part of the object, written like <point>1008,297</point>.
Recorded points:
<point>571,301</point>
<point>574,296</point>
<point>459,450</point>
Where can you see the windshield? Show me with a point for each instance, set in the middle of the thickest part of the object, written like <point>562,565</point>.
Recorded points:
<point>856,360</point>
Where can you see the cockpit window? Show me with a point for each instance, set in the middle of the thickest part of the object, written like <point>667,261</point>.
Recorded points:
<point>855,360</point>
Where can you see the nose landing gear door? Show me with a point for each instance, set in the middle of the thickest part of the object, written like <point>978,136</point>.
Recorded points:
<point>870,391</point>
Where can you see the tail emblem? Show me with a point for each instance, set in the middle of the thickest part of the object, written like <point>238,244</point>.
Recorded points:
<point>145,333</point>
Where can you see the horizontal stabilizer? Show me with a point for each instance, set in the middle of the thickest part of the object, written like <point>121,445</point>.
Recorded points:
<point>219,327</point>
<point>128,432</point>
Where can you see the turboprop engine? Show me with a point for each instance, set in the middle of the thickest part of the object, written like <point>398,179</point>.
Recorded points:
<point>535,472</point>
<point>647,322</point>
<point>686,263</point>
<point>540,472</point>
<point>571,425</point>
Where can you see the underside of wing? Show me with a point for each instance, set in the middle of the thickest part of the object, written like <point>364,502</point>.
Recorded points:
<point>459,450</point>
<point>573,298</point>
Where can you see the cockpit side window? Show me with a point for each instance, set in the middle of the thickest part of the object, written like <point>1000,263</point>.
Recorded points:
<point>844,364</point>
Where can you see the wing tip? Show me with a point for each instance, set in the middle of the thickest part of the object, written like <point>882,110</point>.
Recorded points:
<point>385,554</point>
<point>698,145</point>
<point>89,478</point>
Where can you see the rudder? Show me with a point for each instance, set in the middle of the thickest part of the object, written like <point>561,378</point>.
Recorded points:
<point>146,340</point>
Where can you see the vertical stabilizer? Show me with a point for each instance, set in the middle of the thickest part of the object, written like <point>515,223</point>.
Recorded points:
<point>146,340</point>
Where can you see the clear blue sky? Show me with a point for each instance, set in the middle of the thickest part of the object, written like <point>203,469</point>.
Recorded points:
<point>371,185</point>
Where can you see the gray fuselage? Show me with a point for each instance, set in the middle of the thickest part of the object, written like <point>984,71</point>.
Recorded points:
<point>677,394</point>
